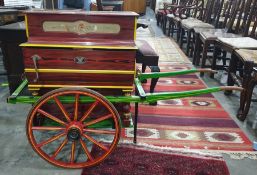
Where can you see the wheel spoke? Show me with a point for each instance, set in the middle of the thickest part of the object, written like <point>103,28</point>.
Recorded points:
<point>51,117</point>
<point>59,148</point>
<point>99,131</point>
<point>98,120</point>
<point>76,107</point>
<point>95,142</point>
<point>86,150</point>
<point>50,140</point>
<point>47,128</point>
<point>72,155</point>
<point>86,115</point>
<point>65,113</point>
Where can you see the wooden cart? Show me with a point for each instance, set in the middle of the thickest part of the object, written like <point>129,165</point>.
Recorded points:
<point>80,71</point>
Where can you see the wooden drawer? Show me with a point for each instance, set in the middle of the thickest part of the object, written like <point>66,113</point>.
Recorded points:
<point>87,59</point>
<point>93,68</point>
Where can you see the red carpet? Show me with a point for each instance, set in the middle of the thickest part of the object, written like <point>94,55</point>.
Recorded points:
<point>135,161</point>
<point>194,123</point>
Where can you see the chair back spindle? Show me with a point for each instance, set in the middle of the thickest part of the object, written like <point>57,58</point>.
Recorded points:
<point>99,5</point>
<point>251,23</point>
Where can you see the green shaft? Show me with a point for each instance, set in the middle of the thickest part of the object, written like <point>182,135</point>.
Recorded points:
<point>173,95</point>
<point>144,76</point>
<point>143,97</point>
<point>66,99</point>
<point>4,84</point>
<point>139,88</point>
<point>124,99</point>
<point>19,89</point>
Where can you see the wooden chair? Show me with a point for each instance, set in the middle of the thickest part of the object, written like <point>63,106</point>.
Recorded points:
<point>203,37</point>
<point>161,15</point>
<point>245,39</point>
<point>243,61</point>
<point>212,15</point>
<point>204,21</point>
<point>235,18</point>
<point>99,7</point>
<point>247,78</point>
<point>173,18</point>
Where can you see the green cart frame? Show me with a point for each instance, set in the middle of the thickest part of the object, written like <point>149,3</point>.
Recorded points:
<point>60,140</point>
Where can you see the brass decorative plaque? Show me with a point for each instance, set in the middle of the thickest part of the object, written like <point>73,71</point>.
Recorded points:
<point>80,27</point>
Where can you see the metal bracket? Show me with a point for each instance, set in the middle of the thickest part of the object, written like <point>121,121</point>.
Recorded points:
<point>35,58</point>
<point>80,60</point>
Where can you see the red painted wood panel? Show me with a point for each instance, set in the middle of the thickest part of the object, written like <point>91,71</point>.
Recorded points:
<point>94,59</point>
<point>35,22</point>
<point>78,79</point>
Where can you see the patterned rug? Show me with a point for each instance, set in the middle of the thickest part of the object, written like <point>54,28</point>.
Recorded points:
<point>132,160</point>
<point>166,48</point>
<point>191,123</point>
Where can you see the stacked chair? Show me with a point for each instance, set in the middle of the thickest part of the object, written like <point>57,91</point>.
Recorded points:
<point>189,10</point>
<point>220,30</point>
<point>161,15</point>
<point>204,38</point>
<point>99,7</point>
<point>184,18</point>
<point>232,29</point>
<point>243,58</point>
<point>204,20</point>
<point>239,39</point>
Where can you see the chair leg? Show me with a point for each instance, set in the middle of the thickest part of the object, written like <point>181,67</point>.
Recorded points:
<point>196,52</point>
<point>143,68</point>
<point>154,81</point>
<point>188,42</point>
<point>204,56</point>
<point>181,37</point>
<point>172,29</point>
<point>178,32</point>
<point>164,24</point>
<point>143,71</point>
<point>224,58</point>
<point>231,71</point>
<point>241,115</point>
<point>159,19</point>
<point>192,43</point>
<point>214,60</point>
<point>246,96</point>
<point>169,28</point>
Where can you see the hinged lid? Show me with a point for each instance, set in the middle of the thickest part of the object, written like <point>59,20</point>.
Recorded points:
<point>80,29</point>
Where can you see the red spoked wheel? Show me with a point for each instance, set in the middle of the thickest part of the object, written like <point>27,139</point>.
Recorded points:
<point>70,131</point>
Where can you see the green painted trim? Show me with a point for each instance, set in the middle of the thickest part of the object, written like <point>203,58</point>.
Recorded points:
<point>144,76</point>
<point>19,89</point>
<point>153,97</point>
<point>150,97</point>
<point>4,84</point>
<point>113,99</point>
<point>139,87</point>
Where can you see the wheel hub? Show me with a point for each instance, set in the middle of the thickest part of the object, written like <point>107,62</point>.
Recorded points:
<point>73,134</point>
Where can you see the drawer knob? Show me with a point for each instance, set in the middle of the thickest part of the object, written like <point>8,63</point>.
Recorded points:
<point>80,60</point>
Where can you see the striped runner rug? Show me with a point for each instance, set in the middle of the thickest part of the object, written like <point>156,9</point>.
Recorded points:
<point>193,123</point>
